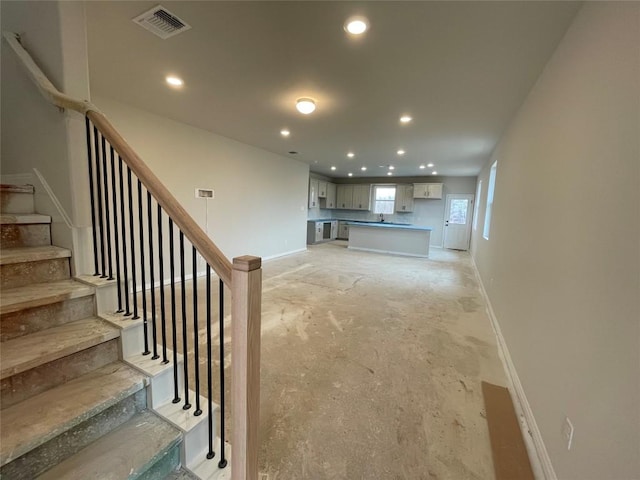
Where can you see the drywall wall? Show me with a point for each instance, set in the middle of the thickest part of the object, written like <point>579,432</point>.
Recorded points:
<point>426,212</point>
<point>562,263</point>
<point>35,134</point>
<point>260,204</point>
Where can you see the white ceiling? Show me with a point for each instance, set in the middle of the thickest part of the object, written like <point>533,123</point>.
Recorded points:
<point>460,69</point>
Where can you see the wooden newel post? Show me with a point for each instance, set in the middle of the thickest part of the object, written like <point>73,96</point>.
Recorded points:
<point>245,366</point>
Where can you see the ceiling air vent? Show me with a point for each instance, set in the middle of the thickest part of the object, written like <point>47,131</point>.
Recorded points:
<point>162,22</point>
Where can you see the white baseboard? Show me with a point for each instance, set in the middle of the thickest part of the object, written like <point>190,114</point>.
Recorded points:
<point>540,461</point>
<point>278,255</point>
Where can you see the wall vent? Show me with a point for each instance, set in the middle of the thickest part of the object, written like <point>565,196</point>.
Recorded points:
<point>161,22</point>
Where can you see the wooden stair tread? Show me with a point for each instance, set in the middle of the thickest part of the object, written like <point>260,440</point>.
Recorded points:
<point>32,254</point>
<point>7,188</point>
<point>125,452</point>
<point>38,419</point>
<point>29,351</point>
<point>24,218</point>
<point>38,294</point>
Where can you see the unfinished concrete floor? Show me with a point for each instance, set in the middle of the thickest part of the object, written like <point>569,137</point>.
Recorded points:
<point>371,366</point>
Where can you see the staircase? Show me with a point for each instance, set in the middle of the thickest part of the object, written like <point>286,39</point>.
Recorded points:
<point>70,406</point>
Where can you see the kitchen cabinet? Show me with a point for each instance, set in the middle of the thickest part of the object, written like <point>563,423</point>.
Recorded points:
<point>427,190</point>
<point>322,189</point>
<point>344,196</point>
<point>404,198</point>
<point>313,193</point>
<point>362,197</point>
<point>334,229</point>
<point>330,201</point>
<point>343,231</point>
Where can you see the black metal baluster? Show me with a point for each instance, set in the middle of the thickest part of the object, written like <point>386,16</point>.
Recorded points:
<point>152,279</point>
<point>183,292</point>
<point>99,188</point>
<point>142,272</point>
<point>125,265</point>
<point>92,195</point>
<point>105,175</point>
<point>223,462</point>
<point>210,453</point>
<point>163,317</point>
<point>115,228</point>
<point>196,356</point>
<point>174,324</point>
<point>133,248</point>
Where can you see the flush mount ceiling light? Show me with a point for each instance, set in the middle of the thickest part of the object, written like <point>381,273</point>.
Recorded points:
<point>350,174</point>
<point>174,81</point>
<point>400,152</point>
<point>391,167</point>
<point>434,173</point>
<point>333,168</point>
<point>405,119</point>
<point>284,132</point>
<point>305,105</point>
<point>356,25</point>
<point>430,165</point>
<point>422,167</point>
<point>364,169</point>
<point>389,173</point>
<point>351,154</point>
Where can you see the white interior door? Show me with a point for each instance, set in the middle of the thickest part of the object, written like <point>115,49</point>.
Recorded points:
<point>457,221</point>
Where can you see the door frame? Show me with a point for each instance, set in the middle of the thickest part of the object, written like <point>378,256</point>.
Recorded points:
<point>470,209</point>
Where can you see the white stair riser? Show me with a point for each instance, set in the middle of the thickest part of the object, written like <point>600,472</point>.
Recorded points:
<point>161,387</point>
<point>17,203</point>
<point>196,441</point>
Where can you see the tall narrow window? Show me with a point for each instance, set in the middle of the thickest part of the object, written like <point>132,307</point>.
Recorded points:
<point>385,197</point>
<point>475,207</point>
<point>490,190</point>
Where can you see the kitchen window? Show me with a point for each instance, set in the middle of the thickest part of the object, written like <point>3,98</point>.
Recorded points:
<point>384,199</point>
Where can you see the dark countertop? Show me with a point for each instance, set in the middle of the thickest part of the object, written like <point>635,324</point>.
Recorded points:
<point>389,225</point>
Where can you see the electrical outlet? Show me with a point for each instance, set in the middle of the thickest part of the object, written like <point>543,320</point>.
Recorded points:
<point>204,193</point>
<point>567,432</point>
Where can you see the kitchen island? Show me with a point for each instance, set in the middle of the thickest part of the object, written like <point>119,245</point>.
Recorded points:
<point>390,238</point>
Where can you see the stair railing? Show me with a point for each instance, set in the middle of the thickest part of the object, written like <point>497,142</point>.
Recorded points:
<point>126,247</point>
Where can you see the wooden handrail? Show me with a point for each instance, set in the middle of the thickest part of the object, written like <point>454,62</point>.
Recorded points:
<point>205,246</point>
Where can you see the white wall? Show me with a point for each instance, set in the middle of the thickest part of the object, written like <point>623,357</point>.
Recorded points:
<point>260,205</point>
<point>562,263</point>
<point>36,134</point>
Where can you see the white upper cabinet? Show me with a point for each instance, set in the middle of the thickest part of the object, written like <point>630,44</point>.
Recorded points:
<point>345,196</point>
<point>427,190</point>
<point>404,198</point>
<point>322,189</point>
<point>330,200</point>
<point>313,193</point>
<point>362,197</point>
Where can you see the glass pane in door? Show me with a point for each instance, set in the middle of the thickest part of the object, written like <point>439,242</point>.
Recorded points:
<point>458,211</point>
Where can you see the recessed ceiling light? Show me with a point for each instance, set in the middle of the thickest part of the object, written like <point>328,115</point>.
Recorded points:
<point>356,25</point>
<point>434,173</point>
<point>422,167</point>
<point>350,174</point>
<point>429,165</point>
<point>405,119</point>
<point>364,169</point>
<point>174,81</point>
<point>333,168</point>
<point>351,154</point>
<point>285,132</point>
<point>389,173</point>
<point>400,152</point>
<point>391,167</point>
<point>305,105</point>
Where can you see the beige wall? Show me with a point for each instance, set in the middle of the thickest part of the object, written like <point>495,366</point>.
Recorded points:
<point>260,205</point>
<point>562,263</point>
